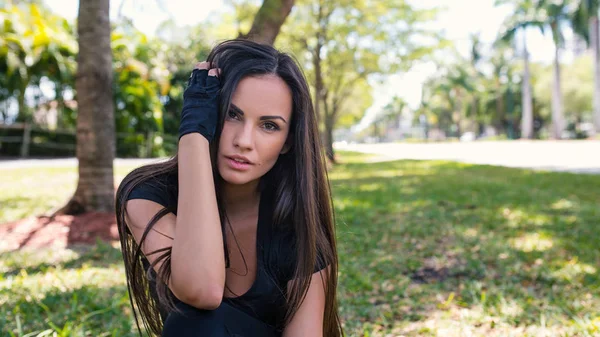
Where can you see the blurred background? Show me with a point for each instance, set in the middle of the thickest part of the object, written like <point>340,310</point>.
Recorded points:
<point>463,139</point>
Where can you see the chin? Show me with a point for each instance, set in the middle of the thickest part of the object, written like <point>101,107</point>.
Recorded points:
<point>236,178</point>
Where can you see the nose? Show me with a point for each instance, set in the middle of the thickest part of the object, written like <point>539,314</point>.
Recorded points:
<point>244,137</point>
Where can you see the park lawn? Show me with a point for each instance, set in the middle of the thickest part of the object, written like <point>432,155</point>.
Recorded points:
<point>34,191</point>
<point>427,248</point>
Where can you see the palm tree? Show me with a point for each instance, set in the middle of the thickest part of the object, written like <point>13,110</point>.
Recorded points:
<point>586,24</point>
<point>500,62</point>
<point>525,16</point>
<point>476,78</point>
<point>390,115</point>
<point>557,13</point>
<point>95,117</point>
<point>448,95</point>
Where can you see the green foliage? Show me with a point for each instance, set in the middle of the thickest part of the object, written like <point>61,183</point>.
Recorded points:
<point>136,92</point>
<point>525,15</point>
<point>495,85</point>
<point>34,43</point>
<point>344,46</point>
<point>455,98</point>
<point>580,18</point>
<point>577,89</point>
<point>237,21</point>
<point>150,73</point>
<point>150,76</point>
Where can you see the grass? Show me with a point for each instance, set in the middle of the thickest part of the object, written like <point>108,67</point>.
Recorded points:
<point>427,248</point>
<point>33,191</point>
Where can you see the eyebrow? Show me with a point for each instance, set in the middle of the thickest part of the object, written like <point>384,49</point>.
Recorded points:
<point>262,118</point>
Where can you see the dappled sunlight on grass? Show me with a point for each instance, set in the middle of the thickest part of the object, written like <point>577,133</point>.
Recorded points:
<point>464,322</point>
<point>34,259</point>
<point>369,187</point>
<point>518,218</point>
<point>34,191</point>
<point>347,157</point>
<point>28,287</point>
<point>510,309</point>
<point>496,238</point>
<point>68,290</point>
<point>573,270</point>
<point>426,248</point>
<point>563,204</point>
<point>350,175</point>
<point>532,242</point>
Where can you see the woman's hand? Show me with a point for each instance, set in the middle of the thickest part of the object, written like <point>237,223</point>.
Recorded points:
<point>201,102</point>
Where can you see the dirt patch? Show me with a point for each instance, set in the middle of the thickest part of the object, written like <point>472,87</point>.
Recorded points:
<point>439,270</point>
<point>62,231</point>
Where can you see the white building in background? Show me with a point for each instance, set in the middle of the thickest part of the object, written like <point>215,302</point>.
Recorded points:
<point>46,116</point>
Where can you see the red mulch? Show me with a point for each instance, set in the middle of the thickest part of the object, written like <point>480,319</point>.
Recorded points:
<point>63,231</point>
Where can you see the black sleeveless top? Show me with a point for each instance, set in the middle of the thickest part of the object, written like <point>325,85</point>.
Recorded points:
<point>275,253</point>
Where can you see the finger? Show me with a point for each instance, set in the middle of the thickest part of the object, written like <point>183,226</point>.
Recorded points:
<point>202,65</point>
<point>212,81</point>
<point>198,76</point>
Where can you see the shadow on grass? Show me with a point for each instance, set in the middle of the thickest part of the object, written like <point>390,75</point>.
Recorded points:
<point>419,237</point>
<point>14,207</point>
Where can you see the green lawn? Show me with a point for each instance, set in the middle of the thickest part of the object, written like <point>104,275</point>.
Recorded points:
<point>426,249</point>
<point>34,191</point>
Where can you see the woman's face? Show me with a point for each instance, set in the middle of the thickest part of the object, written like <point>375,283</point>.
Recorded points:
<point>255,129</point>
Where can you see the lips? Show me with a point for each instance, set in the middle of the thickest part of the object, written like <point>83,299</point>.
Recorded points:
<point>240,159</point>
<point>236,165</point>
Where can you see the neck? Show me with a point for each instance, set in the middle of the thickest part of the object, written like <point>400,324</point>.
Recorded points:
<point>241,199</point>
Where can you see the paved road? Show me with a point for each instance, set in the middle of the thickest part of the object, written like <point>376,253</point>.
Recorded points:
<point>571,156</point>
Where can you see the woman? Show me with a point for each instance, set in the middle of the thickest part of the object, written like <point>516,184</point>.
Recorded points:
<point>235,235</point>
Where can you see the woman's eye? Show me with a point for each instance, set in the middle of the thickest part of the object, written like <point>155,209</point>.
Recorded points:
<point>232,114</point>
<point>271,126</point>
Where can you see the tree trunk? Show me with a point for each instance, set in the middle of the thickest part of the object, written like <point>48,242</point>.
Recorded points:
<point>329,139</point>
<point>95,116</point>
<point>23,110</point>
<point>329,121</point>
<point>458,111</point>
<point>595,43</point>
<point>527,105</point>
<point>60,106</point>
<point>557,119</point>
<point>500,113</point>
<point>268,20</point>
<point>318,80</point>
<point>474,113</point>
<point>320,93</point>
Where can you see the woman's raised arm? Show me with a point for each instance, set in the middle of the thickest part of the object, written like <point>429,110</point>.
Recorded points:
<point>195,235</point>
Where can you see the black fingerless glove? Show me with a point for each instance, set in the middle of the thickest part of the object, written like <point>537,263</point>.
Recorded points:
<point>200,105</point>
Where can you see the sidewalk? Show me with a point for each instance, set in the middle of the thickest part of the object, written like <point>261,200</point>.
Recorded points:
<point>570,156</point>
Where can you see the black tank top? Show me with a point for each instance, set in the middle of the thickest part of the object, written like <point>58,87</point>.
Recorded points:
<point>265,299</point>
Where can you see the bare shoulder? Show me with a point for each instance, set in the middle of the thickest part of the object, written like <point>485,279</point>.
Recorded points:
<point>139,213</point>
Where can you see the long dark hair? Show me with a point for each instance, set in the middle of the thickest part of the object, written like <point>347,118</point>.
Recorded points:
<point>301,193</point>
